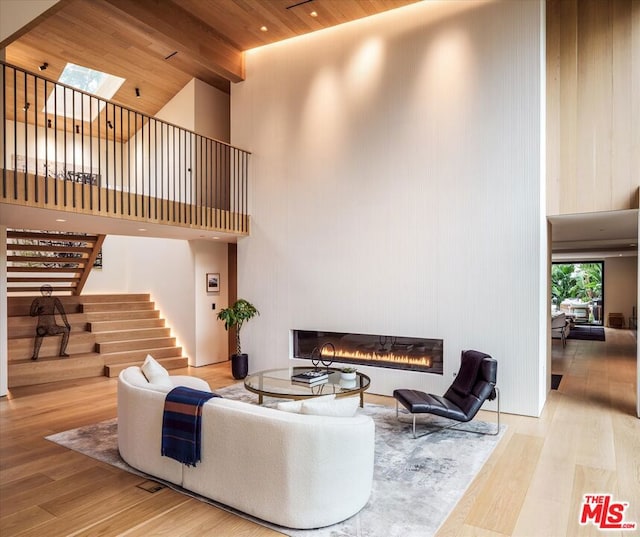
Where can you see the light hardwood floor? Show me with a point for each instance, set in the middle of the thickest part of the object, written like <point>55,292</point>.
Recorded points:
<point>586,440</point>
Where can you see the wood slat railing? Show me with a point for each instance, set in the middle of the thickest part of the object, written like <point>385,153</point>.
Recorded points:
<point>68,150</point>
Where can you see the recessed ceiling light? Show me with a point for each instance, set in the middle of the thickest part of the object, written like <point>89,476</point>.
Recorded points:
<point>264,29</point>
<point>60,220</point>
<point>142,229</point>
<point>314,13</point>
<point>216,238</point>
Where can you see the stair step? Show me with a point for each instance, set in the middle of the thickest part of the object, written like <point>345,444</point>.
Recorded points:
<point>137,344</point>
<point>20,305</point>
<point>123,357</point>
<point>50,247</point>
<point>107,326</point>
<point>98,316</point>
<point>24,234</point>
<point>44,370</point>
<point>22,348</point>
<point>25,326</point>
<point>134,334</point>
<point>31,289</point>
<point>48,259</point>
<point>113,370</point>
<point>39,279</point>
<point>106,330</point>
<point>43,270</point>
<point>115,306</point>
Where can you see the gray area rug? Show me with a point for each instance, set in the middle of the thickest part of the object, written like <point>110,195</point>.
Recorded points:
<point>417,483</point>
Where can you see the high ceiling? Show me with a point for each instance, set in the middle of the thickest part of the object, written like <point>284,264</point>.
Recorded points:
<point>159,46</point>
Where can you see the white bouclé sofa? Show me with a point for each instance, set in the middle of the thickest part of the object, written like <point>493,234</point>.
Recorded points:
<point>294,470</point>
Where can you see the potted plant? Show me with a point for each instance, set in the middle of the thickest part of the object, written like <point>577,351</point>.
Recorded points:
<point>234,317</point>
<point>348,373</point>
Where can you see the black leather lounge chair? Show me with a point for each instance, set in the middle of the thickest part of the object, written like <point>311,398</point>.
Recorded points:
<point>473,385</point>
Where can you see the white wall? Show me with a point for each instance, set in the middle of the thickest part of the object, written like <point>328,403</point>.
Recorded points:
<point>201,108</point>
<point>396,172</point>
<point>180,110</point>
<point>14,14</point>
<point>211,338</point>
<point>173,272</point>
<point>620,286</point>
<point>213,114</point>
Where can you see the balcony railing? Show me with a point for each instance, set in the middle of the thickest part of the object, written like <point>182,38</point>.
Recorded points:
<point>68,150</point>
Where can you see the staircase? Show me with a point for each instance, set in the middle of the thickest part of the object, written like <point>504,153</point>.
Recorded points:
<point>62,260</point>
<point>108,334</point>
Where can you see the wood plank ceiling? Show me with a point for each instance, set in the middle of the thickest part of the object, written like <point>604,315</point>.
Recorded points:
<point>158,46</point>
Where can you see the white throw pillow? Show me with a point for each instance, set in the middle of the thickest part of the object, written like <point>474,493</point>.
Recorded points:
<point>296,406</point>
<point>155,373</point>
<point>344,407</point>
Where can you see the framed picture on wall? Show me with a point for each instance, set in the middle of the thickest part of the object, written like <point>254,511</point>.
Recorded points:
<point>213,282</point>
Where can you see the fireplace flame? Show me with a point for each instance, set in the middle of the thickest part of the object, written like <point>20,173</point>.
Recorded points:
<point>389,357</point>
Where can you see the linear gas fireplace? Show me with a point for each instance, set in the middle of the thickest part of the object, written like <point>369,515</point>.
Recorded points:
<point>410,353</point>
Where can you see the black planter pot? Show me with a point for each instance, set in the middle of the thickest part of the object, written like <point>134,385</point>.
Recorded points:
<point>239,365</point>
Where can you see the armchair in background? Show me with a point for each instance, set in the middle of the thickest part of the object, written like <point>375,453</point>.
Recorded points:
<point>560,327</point>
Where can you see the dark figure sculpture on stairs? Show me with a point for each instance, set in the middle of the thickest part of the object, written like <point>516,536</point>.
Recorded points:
<point>45,308</point>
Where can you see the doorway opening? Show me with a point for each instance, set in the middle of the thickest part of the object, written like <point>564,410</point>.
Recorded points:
<point>577,289</point>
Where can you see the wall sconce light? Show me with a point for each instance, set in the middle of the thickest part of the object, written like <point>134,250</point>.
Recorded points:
<point>26,106</point>
<point>77,129</point>
<point>44,66</point>
<point>138,92</point>
<point>109,124</point>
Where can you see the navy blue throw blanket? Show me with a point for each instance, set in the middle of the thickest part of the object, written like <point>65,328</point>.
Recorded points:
<point>181,424</point>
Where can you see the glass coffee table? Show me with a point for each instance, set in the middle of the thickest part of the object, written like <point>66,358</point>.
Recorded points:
<point>278,383</point>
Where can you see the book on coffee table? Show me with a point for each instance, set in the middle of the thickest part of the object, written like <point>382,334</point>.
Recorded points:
<point>311,384</point>
<point>310,377</point>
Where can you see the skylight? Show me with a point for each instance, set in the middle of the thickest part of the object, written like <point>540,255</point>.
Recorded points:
<point>97,83</point>
<point>82,78</point>
<point>101,84</point>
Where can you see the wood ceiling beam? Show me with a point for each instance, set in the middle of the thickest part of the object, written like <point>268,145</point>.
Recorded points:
<point>183,32</point>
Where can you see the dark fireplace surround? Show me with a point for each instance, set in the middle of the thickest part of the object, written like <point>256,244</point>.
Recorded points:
<point>395,352</point>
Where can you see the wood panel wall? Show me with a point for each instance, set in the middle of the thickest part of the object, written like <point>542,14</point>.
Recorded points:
<point>593,105</point>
